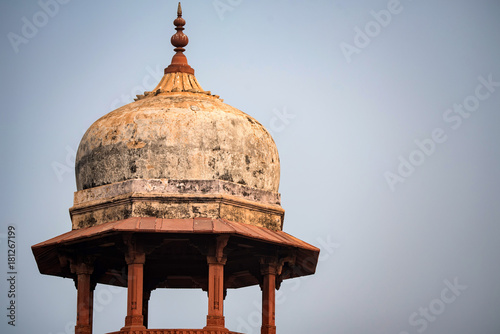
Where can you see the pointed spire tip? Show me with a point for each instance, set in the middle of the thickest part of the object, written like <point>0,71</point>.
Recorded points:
<point>179,40</point>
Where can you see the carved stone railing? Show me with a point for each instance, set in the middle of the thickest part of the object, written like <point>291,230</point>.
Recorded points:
<point>175,331</point>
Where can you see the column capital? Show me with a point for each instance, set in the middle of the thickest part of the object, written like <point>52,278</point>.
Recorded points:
<point>82,265</point>
<point>269,265</point>
<point>135,257</point>
<point>215,260</point>
<point>134,252</point>
<point>216,251</point>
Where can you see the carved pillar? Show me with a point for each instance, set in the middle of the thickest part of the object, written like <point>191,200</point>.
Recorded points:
<point>135,258</point>
<point>269,270</point>
<point>216,261</point>
<point>85,298</point>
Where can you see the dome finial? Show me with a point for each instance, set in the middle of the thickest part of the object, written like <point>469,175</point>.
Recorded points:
<point>179,40</point>
<point>179,10</point>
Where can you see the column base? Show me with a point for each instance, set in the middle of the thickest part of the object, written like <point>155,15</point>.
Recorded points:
<point>268,329</point>
<point>134,322</point>
<point>215,322</point>
<point>83,329</point>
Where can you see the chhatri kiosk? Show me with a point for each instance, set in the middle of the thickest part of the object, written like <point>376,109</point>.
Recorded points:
<point>176,190</point>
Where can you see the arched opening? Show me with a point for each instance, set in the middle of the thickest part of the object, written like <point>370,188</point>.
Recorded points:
<point>177,308</point>
<point>110,304</point>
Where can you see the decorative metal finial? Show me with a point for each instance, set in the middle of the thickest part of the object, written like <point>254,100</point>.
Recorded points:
<point>179,40</point>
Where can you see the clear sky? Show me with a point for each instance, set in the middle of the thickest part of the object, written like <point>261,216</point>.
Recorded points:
<point>386,115</point>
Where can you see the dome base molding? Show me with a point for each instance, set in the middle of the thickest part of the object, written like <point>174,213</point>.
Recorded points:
<point>177,199</point>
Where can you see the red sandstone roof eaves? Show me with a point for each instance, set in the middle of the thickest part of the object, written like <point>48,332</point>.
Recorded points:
<point>176,225</point>
<point>202,225</point>
<point>197,225</point>
<point>223,227</point>
<point>147,224</point>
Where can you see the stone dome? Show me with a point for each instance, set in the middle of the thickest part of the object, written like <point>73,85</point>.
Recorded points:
<point>178,136</point>
<point>177,152</point>
<point>178,132</point>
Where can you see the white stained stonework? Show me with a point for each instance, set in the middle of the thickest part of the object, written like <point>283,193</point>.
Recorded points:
<point>163,186</point>
<point>177,199</point>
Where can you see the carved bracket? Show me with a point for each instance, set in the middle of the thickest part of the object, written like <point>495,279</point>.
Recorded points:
<point>134,253</point>
<point>216,252</point>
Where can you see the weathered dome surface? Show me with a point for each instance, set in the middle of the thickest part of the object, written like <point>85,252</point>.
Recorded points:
<point>178,136</point>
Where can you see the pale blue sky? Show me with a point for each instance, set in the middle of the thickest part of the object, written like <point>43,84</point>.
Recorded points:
<point>389,249</point>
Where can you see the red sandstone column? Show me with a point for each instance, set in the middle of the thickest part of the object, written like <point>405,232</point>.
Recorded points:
<point>84,298</point>
<point>216,261</point>
<point>269,271</point>
<point>215,317</point>
<point>135,259</point>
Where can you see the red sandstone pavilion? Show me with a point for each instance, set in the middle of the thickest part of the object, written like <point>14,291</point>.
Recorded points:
<point>176,190</point>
